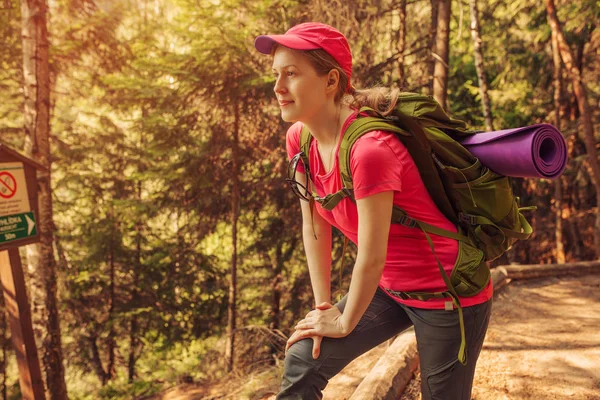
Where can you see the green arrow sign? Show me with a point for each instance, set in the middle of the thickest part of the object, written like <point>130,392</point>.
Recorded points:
<point>17,226</point>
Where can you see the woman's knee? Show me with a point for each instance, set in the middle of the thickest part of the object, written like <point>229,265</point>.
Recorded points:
<point>299,355</point>
<point>301,373</point>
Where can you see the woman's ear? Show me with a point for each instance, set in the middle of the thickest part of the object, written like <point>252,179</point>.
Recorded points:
<point>333,80</point>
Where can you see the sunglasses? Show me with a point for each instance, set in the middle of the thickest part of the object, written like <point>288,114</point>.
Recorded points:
<point>300,190</point>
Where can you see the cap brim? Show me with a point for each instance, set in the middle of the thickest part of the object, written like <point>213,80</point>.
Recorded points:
<point>265,43</point>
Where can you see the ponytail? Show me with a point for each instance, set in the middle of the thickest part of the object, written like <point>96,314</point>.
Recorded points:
<point>380,98</point>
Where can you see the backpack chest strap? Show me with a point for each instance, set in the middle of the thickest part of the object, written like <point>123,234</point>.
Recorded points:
<point>331,200</point>
<point>399,216</point>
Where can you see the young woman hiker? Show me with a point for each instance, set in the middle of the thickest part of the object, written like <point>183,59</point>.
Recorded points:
<point>312,63</point>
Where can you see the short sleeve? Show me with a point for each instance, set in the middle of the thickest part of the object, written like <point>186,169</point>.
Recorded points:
<point>376,164</point>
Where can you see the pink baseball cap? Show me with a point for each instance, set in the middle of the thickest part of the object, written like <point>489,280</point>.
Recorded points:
<point>312,36</point>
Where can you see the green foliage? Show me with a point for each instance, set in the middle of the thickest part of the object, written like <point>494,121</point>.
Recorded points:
<point>144,101</point>
<point>11,77</point>
<point>161,366</point>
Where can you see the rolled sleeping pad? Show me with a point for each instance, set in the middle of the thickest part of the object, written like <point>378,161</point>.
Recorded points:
<point>536,151</point>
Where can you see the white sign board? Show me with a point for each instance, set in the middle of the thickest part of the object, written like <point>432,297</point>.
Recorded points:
<point>14,198</point>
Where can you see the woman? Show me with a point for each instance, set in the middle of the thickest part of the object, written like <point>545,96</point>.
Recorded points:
<point>312,63</point>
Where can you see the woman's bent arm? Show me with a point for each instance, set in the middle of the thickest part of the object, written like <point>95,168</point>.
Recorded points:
<point>374,216</point>
<point>318,250</point>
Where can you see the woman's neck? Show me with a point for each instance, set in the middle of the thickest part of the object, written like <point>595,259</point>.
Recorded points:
<point>326,127</point>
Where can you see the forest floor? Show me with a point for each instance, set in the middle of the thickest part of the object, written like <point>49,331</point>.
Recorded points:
<point>543,343</point>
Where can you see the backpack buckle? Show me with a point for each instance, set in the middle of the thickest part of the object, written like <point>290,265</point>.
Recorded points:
<point>395,293</point>
<point>467,218</point>
<point>348,192</point>
<point>407,221</point>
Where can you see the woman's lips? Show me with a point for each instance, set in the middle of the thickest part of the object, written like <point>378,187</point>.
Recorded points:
<point>285,103</point>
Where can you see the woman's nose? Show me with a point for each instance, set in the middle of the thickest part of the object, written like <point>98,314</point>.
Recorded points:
<point>279,86</point>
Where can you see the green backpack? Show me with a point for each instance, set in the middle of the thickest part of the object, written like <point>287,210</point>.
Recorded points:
<point>477,200</point>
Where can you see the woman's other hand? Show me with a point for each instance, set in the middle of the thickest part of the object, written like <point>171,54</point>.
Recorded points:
<point>299,335</point>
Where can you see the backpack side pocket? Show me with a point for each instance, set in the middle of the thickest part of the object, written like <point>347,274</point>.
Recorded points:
<point>489,212</point>
<point>471,273</point>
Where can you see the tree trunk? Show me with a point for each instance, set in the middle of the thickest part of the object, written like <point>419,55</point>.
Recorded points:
<point>572,228</point>
<point>4,339</point>
<point>276,289</point>
<point>36,91</point>
<point>558,204</point>
<point>96,361</point>
<point>483,88</point>
<point>584,108</point>
<point>139,227</point>
<point>558,200</point>
<point>277,267</point>
<point>401,43</point>
<point>431,45</point>
<point>574,241</point>
<point>277,263</point>
<point>235,205</point>
<point>133,327</point>
<point>442,41</point>
<point>111,340</point>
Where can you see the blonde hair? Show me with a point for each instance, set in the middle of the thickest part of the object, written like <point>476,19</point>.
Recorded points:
<point>380,98</point>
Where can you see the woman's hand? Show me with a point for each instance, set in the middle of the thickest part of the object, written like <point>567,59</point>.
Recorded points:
<point>324,321</point>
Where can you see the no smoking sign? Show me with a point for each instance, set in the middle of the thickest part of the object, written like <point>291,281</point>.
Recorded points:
<point>14,198</point>
<point>8,185</point>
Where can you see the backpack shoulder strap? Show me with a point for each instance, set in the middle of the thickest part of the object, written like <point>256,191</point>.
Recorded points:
<point>356,130</point>
<point>305,140</point>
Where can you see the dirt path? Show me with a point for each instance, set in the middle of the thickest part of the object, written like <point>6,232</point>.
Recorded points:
<point>543,343</point>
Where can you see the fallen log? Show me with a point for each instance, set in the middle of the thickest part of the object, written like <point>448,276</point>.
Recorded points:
<point>534,271</point>
<point>389,377</point>
<point>499,278</point>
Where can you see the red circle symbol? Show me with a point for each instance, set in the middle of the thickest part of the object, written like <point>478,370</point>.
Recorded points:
<point>8,185</point>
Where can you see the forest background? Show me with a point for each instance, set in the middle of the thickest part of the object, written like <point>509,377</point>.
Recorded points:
<point>172,248</point>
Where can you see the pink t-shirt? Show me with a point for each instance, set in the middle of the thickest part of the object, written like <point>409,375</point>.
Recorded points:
<point>379,162</point>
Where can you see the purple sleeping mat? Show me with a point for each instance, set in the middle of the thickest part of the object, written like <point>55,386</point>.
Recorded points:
<point>536,151</point>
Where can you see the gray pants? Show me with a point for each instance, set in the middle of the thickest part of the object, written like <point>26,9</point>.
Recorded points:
<point>438,340</point>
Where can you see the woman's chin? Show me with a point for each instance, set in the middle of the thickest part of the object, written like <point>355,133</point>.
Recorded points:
<point>288,117</point>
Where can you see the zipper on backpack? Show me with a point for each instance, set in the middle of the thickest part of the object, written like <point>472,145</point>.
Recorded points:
<point>437,161</point>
